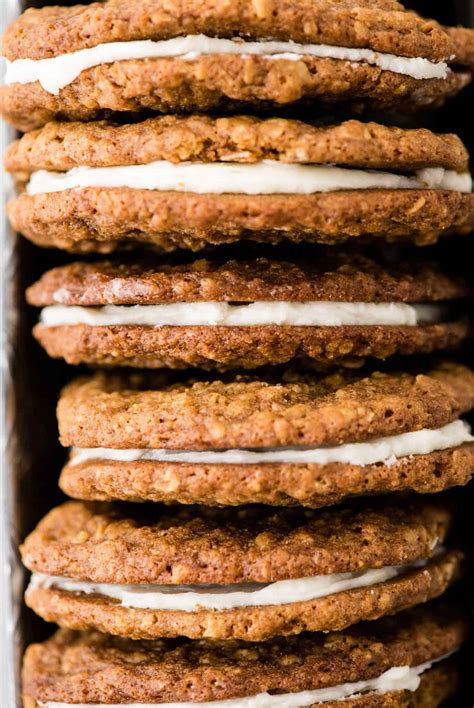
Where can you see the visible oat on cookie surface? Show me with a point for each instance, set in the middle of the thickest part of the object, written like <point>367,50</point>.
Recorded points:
<point>150,411</point>
<point>272,410</point>
<point>365,54</point>
<point>309,309</point>
<point>191,182</point>
<point>210,671</point>
<point>183,549</point>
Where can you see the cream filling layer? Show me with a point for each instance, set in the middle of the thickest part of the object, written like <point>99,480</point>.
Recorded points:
<point>399,678</point>
<point>192,598</point>
<point>265,177</point>
<point>181,314</point>
<point>57,72</point>
<point>387,450</point>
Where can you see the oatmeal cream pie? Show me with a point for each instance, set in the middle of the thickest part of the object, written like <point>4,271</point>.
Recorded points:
<point>397,662</point>
<point>333,308</point>
<point>251,573</point>
<point>90,61</point>
<point>311,441</point>
<point>189,182</point>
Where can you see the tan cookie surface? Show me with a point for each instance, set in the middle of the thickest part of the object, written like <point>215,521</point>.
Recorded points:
<point>103,543</point>
<point>75,610</point>
<point>99,220</point>
<point>383,25</point>
<point>225,83</point>
<point>142,411</point>
<point>216,82</point>
<point>310,485</point>
<point>186,545</point>
<point>463,40</point>
<point>436,686</point>
<point>226,348</point>
<point>340,277</point>
<point>62,146</point>
<point>333,276</point>
<point>183,670</point>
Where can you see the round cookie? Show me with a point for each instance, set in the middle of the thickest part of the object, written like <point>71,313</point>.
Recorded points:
<point>250,574</point>
<point>94,187</point>
<point>151,411</point>
<point>201,77</point>
<point>132,314</point>
<point>58,670</point>
<point>310,441</point>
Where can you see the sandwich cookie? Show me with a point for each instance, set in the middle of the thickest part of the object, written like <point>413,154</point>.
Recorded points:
<point>393,663</point>
<point>333,308</point>
<point>253,573</point>
<point>88,61</point>
<point>190,182</point>
<point>311,442</point>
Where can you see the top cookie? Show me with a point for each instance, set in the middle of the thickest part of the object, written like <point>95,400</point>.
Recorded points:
<point>237,139</point>
<point>142,411</point>
<point>381,25</point>
<point>87,61</point>
<point>327,275</point>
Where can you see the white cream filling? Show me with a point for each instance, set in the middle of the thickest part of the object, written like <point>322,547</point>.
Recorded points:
<point>57,72</point>
<point>192,598</point>
<point>265,177</point>
<point>387,450</point>
<point>399,678</point>
<point>181,314</point>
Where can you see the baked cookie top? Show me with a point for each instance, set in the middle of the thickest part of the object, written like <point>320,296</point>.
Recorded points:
<point>329,276</point>
<point>152,411</point>
<point>381,25</point>
<point>181,670</point>
<point>241,139</point>
<point>108,543</point>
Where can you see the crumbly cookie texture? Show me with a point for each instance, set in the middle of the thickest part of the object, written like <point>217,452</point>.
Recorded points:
<point>340,277</point>
<point>309,485</point>
<point>436,686</point>
<point>104,544</point>
<point>382,25</point>
<point>227,348</point>
<point>141,411</point>
<point>224,83</point>
<point>100,220</point>
<point>108,543</point>
<point>330,276</point>
<point>200,671</point>
<point>62,146</point>
<point>334,612</point>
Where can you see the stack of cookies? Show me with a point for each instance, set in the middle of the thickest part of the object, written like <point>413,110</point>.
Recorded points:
<point>260,456</point>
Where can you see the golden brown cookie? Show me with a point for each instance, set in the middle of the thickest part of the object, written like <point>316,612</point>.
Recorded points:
<point>94,187</point>
<point>279,484</point>
<point>202,671</point>
<point>61,146</point>
<point>148,411</point>
<point>278,439</point>
<point>201,78</point>
<point>245,314</point>
<point>249,574</point>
